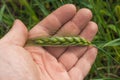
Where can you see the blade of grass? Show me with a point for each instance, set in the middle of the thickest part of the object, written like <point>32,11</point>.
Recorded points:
<point>115,42</point>
<point>106,53</point>
<point>31,11</point>
<point>2,12</point>
<point>9,12</point>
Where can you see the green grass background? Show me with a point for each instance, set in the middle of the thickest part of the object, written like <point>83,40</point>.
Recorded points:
<point>106,13</point>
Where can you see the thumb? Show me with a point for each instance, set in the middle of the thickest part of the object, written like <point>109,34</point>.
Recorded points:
<point>17,35</point>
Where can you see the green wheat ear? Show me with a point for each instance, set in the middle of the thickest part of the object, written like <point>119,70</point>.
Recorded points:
<point>60,41</point>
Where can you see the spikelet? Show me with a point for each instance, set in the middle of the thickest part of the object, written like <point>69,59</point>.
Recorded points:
<point>60,41</point>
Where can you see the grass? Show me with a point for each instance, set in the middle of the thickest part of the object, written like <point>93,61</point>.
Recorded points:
<point>106,14</point>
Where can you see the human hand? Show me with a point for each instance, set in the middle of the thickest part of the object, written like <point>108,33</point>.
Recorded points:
<point>49,63</point>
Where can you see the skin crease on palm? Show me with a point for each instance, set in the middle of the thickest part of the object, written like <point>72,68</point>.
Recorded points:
<point>20,62</point>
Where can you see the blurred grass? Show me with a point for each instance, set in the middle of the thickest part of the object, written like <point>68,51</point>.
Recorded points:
<point>106,14</point>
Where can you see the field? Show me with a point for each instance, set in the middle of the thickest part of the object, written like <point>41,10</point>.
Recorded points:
<point>106,13</point>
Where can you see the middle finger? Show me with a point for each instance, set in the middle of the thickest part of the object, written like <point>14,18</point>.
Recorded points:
<point>72,28</point>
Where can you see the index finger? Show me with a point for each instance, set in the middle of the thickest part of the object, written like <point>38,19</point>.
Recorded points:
<point>53,22</point>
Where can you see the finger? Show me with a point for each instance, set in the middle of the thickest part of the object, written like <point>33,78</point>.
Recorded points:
<point>53,22</point>
<point>81,69</point>
<point>72,28</point>
<point>88,33</point>
<point>17,35</point>
<point>77,24</point>
<point>71,56</point>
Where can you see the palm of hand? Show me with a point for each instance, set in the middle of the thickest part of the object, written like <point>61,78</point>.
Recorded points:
<point>53,63</point>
